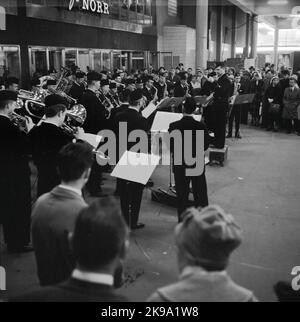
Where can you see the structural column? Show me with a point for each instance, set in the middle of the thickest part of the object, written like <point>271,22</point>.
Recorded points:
<point>254,36</point>
<point>24,55</point>
<point>276,44</point>
<point>246,49</point>
<point>233,32</point>
<point>201,33</point>
<point>219,40</point>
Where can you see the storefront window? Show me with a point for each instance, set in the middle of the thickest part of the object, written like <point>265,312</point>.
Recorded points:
<point>38,60</point>
<point>42,59</point>
<point>83,59</point>
<point>95,63</point>
<point>9,61</point>
<point>106,61</point>
<point>70,57</point>
<point>55,59</point>
<point>138,60</point>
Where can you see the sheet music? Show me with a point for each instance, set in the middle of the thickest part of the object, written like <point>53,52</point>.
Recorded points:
<point>92,139</point>
<point>136,167</point>
<point>163,120</point>
<point>149,110</point>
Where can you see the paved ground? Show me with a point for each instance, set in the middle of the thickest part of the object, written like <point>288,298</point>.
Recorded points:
<point>260,186</point>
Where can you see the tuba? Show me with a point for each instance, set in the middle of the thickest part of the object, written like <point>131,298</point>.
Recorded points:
<point>75,117</point>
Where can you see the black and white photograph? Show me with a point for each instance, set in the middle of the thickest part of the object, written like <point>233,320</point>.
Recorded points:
<point>149,154</point>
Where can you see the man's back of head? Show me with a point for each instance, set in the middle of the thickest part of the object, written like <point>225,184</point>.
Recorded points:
<point>100,236</point>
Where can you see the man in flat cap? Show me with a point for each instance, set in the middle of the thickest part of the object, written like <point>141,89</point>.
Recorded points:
<point>78,87</point>
<point>204,241</point>
<point>130,192</point>
<point>15,189</point>
<point>94,123</point>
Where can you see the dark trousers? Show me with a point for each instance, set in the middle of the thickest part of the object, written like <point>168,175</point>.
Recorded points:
<point>182,183</point>
<point>273,121</point>
<point>94,182</point>
<point>235,115</point>
<point>208,117</point>
<point>245,114</point>
<point>131,194</point>
<point>289,125</point>
<point>16,211</point>
<point>265,114</point>
<point>220,112</point>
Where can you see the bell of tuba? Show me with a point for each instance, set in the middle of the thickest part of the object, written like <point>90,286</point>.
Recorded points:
<point>77,115</point>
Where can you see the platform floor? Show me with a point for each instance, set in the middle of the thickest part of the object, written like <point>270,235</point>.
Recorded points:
<point>260,186</point>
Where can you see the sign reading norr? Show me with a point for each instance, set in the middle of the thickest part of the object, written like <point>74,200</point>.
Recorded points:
<point>91,5</point>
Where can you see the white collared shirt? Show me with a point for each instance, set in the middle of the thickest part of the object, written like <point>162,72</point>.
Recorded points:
<point>79,192</point>
<point>96,278</point>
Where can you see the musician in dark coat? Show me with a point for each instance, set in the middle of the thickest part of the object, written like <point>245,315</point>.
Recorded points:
<point>130,192</point>
<point>221,105</point>
<point>78,88</point>
<point>182,179</point>
<point>96,119</point>
<point>46,140</point>
<point>95,122</point>
<point>207,89</point>
<point>15,188</point>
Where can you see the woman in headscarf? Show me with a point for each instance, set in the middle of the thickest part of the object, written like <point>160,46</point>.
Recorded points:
<point>205,240</point>
<point>273,104</point>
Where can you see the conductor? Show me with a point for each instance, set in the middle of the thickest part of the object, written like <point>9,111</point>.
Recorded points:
<point>182,181</point>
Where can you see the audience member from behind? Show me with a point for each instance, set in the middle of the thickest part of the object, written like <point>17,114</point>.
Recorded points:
<point>99,244</point>
<point>55,213</point>
<point>204,243</point>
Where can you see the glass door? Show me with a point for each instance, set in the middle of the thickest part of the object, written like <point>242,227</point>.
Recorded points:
<point>39,63</point>
<point>55,58</point>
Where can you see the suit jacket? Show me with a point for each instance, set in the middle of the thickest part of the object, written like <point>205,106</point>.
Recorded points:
<point>223,90</point>
<point>15,189</point>
<point>77,91</point>
<point>189,123</point>
<point>180,91</point>
<point>96,113</point>
<point>73,290</point>
<point>53,218</point>
<point>134,121</point>
<point>196,285</point>
<point>46,141</point>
